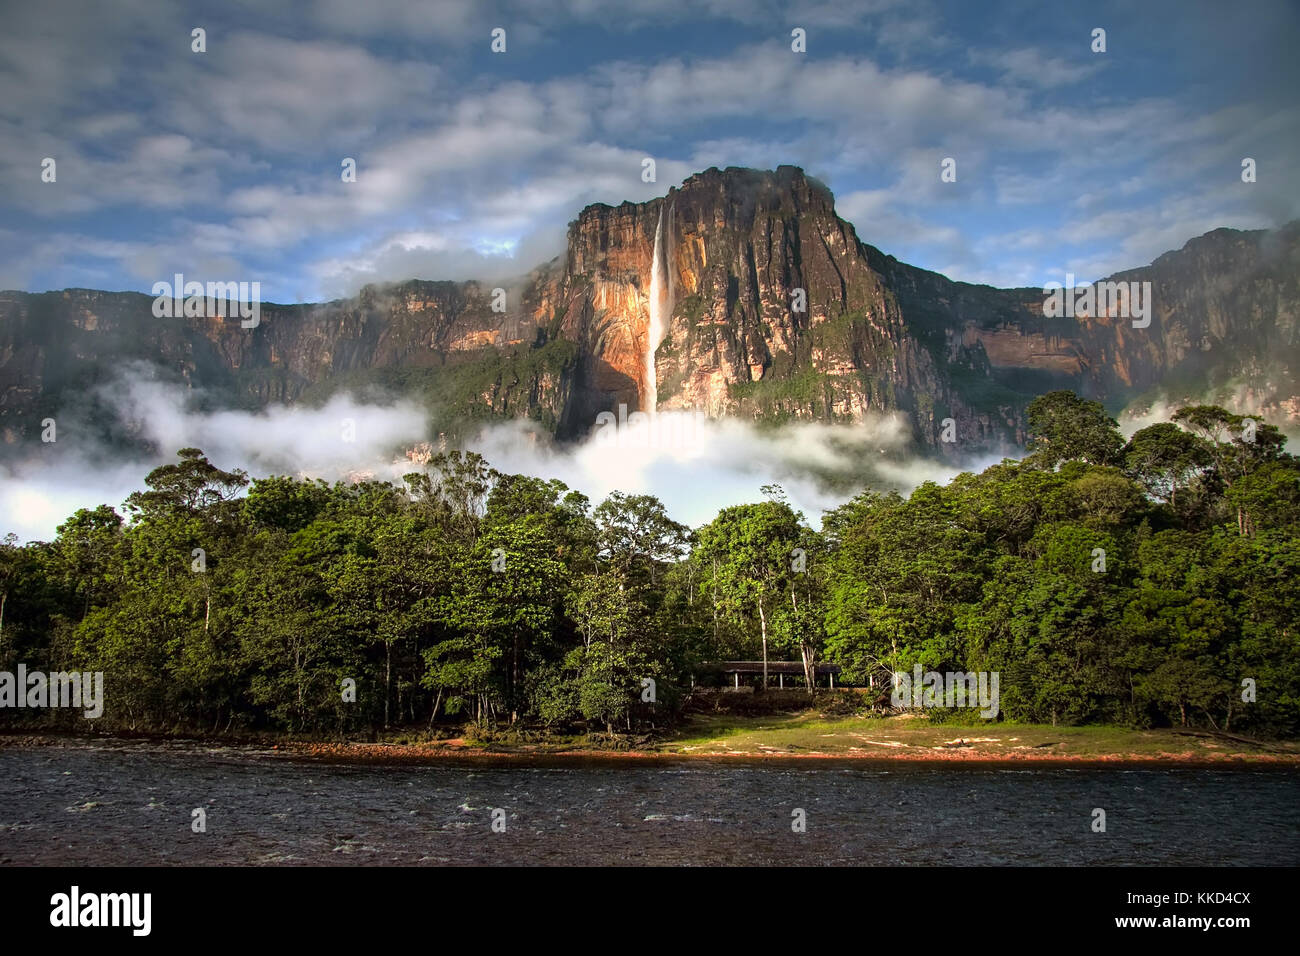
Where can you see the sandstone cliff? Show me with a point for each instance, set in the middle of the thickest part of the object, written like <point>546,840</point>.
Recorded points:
<point>771,306</point>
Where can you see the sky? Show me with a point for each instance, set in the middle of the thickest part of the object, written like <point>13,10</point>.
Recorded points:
<point>226,164</point>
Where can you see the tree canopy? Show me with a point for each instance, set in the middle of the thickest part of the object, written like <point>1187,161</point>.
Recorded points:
<point>1147,582</point>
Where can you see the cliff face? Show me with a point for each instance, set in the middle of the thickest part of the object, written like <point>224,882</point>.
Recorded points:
<point>775,311</point>
<point>770,306</point>
<point>878,335</point>
<point>56,347</point>
<point>1224,313</point>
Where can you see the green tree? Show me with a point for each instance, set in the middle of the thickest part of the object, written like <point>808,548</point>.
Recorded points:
<point>1164,458</point>
<point>747,552</point>
<point>1064,427</point>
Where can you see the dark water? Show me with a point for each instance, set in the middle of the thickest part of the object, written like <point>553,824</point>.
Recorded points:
<point>132,805</point>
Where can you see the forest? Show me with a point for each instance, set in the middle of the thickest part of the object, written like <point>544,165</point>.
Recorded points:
<point>1146,582</point>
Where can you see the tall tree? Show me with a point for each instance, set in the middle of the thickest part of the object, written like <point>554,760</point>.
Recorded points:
<point>747,552</point>
<point>1065,427</point>
<point>1164,458</point>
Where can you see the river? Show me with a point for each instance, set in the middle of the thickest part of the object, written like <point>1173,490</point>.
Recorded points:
<point>128,804</point>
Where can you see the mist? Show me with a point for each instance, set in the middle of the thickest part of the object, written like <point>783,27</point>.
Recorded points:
<point>1239,398</point>
<point>695,465</point>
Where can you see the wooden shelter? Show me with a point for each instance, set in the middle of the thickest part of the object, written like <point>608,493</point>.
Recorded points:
<point>778,668</point>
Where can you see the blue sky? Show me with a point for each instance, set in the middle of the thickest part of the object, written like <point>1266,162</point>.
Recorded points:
<point>225,164</point>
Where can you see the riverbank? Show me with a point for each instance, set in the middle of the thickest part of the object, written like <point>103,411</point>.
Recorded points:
<point>805,735</point>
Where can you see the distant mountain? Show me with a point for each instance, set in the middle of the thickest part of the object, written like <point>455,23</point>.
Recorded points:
<point>734,246</point>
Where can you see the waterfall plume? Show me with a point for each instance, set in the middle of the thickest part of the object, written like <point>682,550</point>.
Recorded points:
<point>660,310</point>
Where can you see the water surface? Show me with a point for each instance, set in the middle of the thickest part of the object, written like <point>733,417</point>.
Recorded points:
<point>132,805</point>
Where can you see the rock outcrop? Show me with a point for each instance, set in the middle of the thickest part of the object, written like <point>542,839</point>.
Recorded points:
<point>775,310</point>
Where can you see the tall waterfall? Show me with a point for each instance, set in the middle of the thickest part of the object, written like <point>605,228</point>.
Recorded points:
<point>661,306</point>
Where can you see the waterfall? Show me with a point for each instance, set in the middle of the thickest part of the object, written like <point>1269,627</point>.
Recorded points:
<point>660,309</point>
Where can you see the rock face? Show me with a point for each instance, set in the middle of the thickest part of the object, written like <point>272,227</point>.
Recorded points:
<point>772,308</point>
<point>878,335</point>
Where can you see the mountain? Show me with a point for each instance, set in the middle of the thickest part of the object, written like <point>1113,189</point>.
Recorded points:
<point>712,270</point>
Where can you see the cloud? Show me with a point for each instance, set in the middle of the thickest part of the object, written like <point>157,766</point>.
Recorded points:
<point>431,255</point>
<point>1030,67</point>
<point>284,94</point>
<point>449,21</point>
<point>695,466</point>
<point>233,155</point>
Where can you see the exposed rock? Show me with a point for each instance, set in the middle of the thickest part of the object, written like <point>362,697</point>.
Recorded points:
<point>876,335</point>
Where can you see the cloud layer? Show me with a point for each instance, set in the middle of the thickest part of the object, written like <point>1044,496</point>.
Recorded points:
<point>471,163</point>
<point>695,466</point>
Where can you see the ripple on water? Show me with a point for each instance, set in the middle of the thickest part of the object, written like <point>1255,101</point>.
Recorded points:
<point>269,811</point>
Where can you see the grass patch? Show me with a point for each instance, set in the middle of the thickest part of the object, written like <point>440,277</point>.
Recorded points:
<point>811,732</point>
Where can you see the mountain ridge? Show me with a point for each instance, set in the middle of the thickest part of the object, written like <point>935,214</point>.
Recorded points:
<point>877,335</point>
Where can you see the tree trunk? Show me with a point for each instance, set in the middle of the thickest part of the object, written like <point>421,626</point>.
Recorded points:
<point>715,601</point>
<point>388,678</point>
<point>514,676</point>
<point>762,618</point>
<point>808,676</point>
<point>805,650</point>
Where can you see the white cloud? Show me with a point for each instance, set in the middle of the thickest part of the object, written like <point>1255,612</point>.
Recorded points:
<point>1030,67</point>
<point>239,149</point>
<point>719,463</point>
